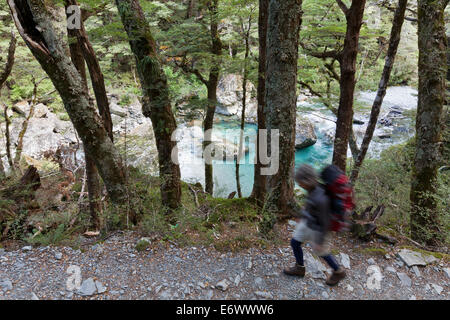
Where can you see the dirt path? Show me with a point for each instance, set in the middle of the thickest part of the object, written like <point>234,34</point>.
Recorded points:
<point>118,271</point>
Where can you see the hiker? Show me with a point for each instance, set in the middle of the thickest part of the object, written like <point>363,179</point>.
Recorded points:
<point>313,226</point>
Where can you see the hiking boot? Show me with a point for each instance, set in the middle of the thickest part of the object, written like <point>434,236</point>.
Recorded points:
<point>296,270</point>
<point>335,277</point>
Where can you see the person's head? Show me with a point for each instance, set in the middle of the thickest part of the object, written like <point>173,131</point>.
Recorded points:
<point>306,177</point>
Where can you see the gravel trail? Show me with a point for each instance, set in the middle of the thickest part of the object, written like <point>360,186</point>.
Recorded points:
<point>116,270</point>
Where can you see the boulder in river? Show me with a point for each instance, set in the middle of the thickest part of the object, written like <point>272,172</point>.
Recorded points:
<point>229,96</point>
<point>305,135</point>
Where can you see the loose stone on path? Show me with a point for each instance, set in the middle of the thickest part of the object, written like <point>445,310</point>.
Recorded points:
<point>411,258</point>
<point>437,288</point>
<point>223,285</point>
<point>263,294</point>
<point>405,280</point>
<point>345,260</point>
<point>88,287</point>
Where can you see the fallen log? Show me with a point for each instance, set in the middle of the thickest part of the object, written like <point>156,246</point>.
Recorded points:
<point>364,225</point>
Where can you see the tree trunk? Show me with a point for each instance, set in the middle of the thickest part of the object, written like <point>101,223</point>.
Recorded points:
<point>432,86</point>
<point>8,138</point>
<point>354,16</point>
<point>259,184</point>
<point>9,60</point>
<point>95,72</point>
<point>156,103</point>
<point>216,50</point>
<point>244,100</point>
<point>3,77</point>
<point>399,18</point>
<point>92,178</point>
<point>207,127</point>
<point>190,8</point>
<point>2,169</point>
<point>23,131</point>
<point>34,24</point>
<point>281,97</point>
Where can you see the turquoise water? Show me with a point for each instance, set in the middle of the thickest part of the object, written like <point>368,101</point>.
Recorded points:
<point>224,172</point>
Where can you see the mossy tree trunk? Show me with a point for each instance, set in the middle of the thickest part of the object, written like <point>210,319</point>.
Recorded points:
<point>213,81</point>
<point>246,33</point>
<point>429,121</point>
<point>33,21</point>
<point>156,102</point>
<point>394,40</point>
<point>4,74</point>
<point>92,177</point>
<point>347,59</point>
<point>259,184</point>
<point>281,96</point>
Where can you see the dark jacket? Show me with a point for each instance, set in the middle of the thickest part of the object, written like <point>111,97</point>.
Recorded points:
<point>317,212</point>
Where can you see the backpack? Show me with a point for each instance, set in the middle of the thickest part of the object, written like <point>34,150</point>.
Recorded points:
<point>340,192</point>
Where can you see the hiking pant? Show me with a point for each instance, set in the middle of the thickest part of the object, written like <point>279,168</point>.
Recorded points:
<point>304,234</point>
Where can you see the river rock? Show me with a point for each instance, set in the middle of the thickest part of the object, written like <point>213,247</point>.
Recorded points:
<point>117,110</point>
<point>22,108</point>
<point>305,135</point>
<point>384,133</point>
<point>143,130</point>
<point>229,96</point>
<point>394,112</point>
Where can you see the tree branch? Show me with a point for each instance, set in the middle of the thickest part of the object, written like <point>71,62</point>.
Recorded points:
<point>10,60</point>
<point>191,70</point>
<point>87,13</point>
<point>343,7</point>
<point>322,55</point>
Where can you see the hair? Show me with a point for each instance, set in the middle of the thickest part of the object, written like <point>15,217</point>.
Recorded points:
<point>307,175</point>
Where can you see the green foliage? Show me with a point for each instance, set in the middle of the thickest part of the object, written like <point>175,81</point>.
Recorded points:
<point>324,28</point>
<point>387,181</point>
<point>268,219</point>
